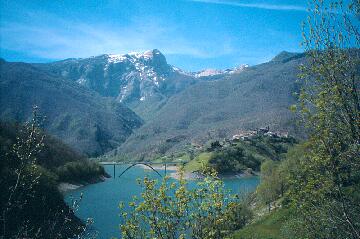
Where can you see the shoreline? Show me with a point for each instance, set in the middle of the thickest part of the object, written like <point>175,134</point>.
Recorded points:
<point>66,187</point>
<point>175,174</point>
<point>195,176</point>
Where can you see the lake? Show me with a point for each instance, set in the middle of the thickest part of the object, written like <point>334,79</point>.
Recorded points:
<point>101,201</point>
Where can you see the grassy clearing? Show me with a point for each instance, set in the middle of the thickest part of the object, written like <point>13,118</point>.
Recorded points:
<point>266,228</point>
<point>198,162</point>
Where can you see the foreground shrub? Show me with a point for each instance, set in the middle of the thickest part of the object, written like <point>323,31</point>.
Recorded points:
<point>170,210</point>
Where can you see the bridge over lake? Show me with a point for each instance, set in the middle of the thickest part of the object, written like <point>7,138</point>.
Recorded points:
<point>148,164</point>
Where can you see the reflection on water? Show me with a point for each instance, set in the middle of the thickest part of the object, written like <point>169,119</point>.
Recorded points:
<point>100,201</point>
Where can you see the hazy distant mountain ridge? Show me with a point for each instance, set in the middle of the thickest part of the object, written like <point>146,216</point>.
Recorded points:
<point>215,72</point>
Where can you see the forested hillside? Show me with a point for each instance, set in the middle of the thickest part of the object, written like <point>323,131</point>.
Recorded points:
<point>242,157</point>
<point>33,165</point>
<point>81,118</point>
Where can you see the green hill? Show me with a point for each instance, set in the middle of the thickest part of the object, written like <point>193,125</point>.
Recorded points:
<point>241,156</point>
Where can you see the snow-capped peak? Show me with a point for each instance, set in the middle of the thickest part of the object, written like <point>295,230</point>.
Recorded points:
<point>146,55</point>
<point>137,76</point>
<point>150,67</point>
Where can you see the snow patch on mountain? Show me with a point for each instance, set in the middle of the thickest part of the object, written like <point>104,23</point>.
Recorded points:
<point>115,58</point>
<point>81,81</point>
<point>143,62</point>
<point>149,67</point>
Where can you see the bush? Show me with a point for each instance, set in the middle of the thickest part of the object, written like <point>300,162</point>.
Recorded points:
<point>172,210</point>
<point>233,160</point>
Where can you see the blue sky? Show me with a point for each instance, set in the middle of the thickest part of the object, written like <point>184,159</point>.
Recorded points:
<point>193,34</point>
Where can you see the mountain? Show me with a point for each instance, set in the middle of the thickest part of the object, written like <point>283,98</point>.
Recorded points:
<point>80,117</point>
<point>142,81</point>
<point>178,107</point>
<point>256,97</point>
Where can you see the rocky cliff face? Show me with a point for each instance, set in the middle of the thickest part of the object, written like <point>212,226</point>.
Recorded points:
<point>130,78</point>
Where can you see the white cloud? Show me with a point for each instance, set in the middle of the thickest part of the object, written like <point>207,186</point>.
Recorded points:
<point>266,6</point>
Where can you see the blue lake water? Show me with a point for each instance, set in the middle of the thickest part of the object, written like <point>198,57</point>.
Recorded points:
<point>101,201</point>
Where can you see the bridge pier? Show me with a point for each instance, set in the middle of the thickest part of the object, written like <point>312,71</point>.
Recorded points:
<point>114,171</point>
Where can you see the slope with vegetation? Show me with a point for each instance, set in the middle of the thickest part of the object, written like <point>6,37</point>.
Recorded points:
<point>268,226</point>
<point>241,156</point>
<point>32,166</point>
<point>55,156</point>
<point>216,109</point>
<point>81,118</point>
<point>319,181</point>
